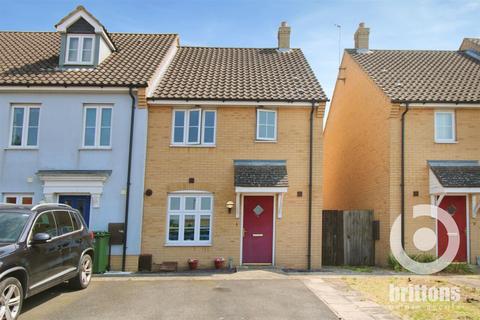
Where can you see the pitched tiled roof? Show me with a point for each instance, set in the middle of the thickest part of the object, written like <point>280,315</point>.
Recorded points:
<point>239,74</point>
<point>457,176</point>
<point>261,173</point>
<point>423,76</point>
<point>31,58</point>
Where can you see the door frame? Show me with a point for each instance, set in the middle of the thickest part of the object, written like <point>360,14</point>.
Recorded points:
<point>274,199</point>
<point>467,214</point>
<point>85,194</point>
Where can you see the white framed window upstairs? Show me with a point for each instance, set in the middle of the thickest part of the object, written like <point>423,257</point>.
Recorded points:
<point>79,49</point>
<point>97,126</point>
<point>445,127</point>
<point>266,125</point>
<point>189,219</point>
<point>24,126</point>
<point>192,127</point>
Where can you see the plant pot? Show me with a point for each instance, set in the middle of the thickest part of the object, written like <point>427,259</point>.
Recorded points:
<point>193,264</point>
<point>219,262</point>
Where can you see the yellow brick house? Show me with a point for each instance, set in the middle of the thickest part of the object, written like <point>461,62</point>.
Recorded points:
<point>234,158</point>
<point>403,130</point>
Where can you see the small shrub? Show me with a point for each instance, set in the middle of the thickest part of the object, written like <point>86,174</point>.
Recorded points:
<point>393,263</point>
<point>423,257</point>
<point>460,268</point>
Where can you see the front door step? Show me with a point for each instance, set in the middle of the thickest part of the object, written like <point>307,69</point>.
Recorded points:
<point>246,267</point>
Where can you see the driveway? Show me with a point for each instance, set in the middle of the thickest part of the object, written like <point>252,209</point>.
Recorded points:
<point>179,299</point>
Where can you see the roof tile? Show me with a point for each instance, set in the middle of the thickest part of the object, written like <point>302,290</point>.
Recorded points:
<point>239,74</point>
<point>31,58</point>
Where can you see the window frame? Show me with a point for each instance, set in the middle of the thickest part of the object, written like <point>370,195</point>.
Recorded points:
<point>454,136</point>
<point>18,197</point>
<point>98,126</point>
<point>257,135</point>
<point>81,38</point>
<point>25,126</point>
<point>186,128</point>
<point>197,213</point>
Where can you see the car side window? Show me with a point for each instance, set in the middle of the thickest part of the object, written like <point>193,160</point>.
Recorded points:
<point>64,222</point>
<point>45,224</point>
<point>76,223</point>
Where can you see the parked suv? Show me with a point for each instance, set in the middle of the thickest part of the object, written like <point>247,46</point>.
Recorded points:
<point>40,247</point>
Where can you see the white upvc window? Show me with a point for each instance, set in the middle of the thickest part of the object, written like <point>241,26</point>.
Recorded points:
<point>97,127</point>
<point>445,126</point>
<point>79,49</point>
<point>189,219</point>
<point>24,126</point>
<point>26,199</point>
<point>266,125</point>
<point>194,127</point>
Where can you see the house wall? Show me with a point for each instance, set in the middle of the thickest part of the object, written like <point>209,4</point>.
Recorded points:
<point>421,147</point>
<point>169,168</point>
<point>356,149</point>
<point>60,140</point>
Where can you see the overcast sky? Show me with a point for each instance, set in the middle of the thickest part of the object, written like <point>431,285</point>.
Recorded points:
<point>393,24</point>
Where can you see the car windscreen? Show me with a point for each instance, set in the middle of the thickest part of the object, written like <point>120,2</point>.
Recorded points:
<point>11,225</point>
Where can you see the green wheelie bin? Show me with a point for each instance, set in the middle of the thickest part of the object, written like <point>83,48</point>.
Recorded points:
<point>100,261</point>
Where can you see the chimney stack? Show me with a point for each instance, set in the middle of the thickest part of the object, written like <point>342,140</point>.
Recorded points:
<point>284,36</point>
<point>361,37</point>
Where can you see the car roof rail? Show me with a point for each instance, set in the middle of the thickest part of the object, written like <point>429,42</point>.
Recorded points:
<point>46,204</point>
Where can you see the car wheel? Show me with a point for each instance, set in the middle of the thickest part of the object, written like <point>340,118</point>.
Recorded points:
<point>82,279</point>
<point>11,299</point>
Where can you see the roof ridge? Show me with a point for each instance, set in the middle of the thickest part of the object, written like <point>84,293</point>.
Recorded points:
<point>406,50</point>
<point>213,47</point>
<point>54,32</point>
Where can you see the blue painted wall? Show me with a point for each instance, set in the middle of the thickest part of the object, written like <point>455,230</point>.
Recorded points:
<point>59,148</point>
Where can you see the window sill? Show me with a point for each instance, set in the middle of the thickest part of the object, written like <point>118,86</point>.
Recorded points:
<point>183,244</point>
<point>22,148</point>
<point>193,146</point>
<point>445,142</point>
<point>265,141</point>
<point>95,149</point>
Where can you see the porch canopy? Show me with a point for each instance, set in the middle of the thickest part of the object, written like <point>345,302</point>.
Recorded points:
<point>89,182</point>
<point>454,177</point>
<point>260,177</point>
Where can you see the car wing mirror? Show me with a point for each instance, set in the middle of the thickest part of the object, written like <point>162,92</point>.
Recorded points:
<point>41,237</point>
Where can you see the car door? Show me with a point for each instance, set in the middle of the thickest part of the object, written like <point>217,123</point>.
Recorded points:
<point>65,240</point>
<point>45,259</point>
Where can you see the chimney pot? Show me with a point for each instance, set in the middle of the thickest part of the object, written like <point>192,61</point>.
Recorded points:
<point>361,37</point>
<point>284,36</point>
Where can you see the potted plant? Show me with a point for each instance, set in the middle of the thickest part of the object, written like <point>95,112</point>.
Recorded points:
<point>219,262</point>
<point>192,263</point>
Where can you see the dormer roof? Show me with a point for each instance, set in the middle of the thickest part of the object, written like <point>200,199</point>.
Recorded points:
<point>80,13</point>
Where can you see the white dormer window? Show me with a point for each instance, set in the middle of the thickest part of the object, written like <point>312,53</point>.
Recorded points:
<point>79,49</point>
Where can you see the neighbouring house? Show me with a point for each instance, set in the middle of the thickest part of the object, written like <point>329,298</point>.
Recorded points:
<point>403,130</point>
<point>234,158</point>
<point>73,121</point>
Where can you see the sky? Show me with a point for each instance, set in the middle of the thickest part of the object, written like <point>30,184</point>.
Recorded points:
<point>428,24</point>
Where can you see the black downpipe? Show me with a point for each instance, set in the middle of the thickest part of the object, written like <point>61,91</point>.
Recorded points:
<point>402,179</point>
<point>310,179</point>
<point>129,170</point>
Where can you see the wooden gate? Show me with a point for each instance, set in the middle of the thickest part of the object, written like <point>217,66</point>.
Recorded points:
<point>348,238</point>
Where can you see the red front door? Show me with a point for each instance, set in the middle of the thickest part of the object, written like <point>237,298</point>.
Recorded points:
<point>257,229</point>
<point>456,207</point>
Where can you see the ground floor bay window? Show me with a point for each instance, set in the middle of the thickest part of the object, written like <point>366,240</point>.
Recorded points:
<point>189,220</point>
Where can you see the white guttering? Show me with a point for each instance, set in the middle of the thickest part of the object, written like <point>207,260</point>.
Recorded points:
<point>230,102</point>
<point>162,68</point>
<point>60,88</point>
<point>442,105</point>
